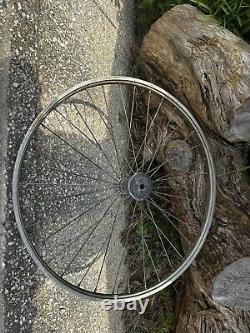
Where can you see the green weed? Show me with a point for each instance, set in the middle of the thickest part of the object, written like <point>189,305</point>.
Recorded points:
<point>166,321</point>
<point>232,14</point>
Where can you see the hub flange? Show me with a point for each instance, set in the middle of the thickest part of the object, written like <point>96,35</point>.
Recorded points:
<point>140,186</point>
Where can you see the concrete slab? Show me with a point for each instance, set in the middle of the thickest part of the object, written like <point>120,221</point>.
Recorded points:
<point>80,40</point>
<point>54,45</point>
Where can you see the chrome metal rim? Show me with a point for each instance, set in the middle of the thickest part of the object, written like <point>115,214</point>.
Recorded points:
<point>128,91</point>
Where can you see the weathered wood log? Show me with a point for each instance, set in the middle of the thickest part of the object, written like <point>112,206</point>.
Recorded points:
<point>208,69</point>
<point>205,66</point>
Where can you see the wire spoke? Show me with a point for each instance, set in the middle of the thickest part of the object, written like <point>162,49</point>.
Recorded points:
<point>92,262</point>
<point>190,134</point>
<point>60,124</point>
<point>70,242</point>
<point>156,151</point>
<point>168,240</point>
<point>152,260</point>
<point>81,175</point>
<point>163,163</point>
<point>53,184</point>
<point>110,130</point>
<point>76,150</point>
<point>128,164</point>
<point>164,214</point>
<point>75,195</point>
<point>179,220</point>
<point>149,253</point>
<point>163,187</point>
<point>95,142</point>
<point>164,198</point>
<point>106,251</point>
<point>143,251</point>
<point>127,122</point>
<point>147,131</point>
<point>171,244</point>
<point>184,175</point>
<point>151,216</point>
<point>113,137</point>
<point>76,218</point>
<point>124,250</point>
<point>88,238</point>
<point>70,172</point>
<point>132,108</point>
<point>168,195</point>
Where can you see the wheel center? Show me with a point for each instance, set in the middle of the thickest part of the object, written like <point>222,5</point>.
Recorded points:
<point>139,186</point>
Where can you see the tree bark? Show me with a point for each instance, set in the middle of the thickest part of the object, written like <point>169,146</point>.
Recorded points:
<point>207,68</point>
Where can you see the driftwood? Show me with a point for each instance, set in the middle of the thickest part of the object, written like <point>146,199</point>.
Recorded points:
<point>208,69</point>
<point>231,286</point>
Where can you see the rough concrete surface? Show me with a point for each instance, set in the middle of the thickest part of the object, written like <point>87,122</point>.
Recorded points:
<point>47,46</point>
<point>4,65</point>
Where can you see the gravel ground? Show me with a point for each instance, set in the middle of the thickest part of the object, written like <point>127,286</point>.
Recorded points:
<point>51,46</point>
<point>4,64</point>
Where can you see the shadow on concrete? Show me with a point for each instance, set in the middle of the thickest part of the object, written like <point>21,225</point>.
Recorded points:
<point>23,95</point>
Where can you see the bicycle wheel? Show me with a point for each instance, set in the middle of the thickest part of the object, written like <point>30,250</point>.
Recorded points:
<point>93,194</point>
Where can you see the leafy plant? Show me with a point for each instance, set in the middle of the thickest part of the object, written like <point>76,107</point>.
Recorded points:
<point>232,14</point>
<point>166,322</point>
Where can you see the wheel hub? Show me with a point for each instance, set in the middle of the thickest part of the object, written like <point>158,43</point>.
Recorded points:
<point>140,186</point>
